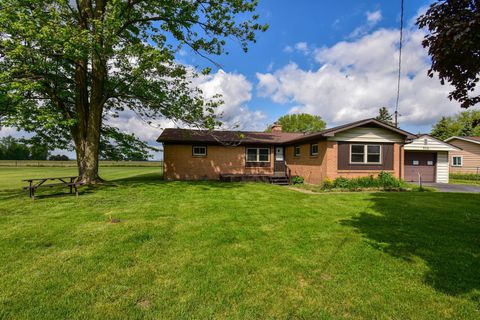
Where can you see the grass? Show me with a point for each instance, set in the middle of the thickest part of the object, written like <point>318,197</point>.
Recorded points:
<point>234,251</point>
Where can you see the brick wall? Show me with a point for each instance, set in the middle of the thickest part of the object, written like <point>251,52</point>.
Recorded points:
<point>180,164</point>
<point>316,168</point>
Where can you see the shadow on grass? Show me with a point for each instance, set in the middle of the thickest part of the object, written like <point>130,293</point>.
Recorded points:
<point>441,229</point>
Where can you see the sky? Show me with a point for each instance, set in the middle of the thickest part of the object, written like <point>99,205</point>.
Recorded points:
<point>336,59</point>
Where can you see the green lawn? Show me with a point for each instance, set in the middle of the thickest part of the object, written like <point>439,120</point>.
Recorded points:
<point>185,250</point>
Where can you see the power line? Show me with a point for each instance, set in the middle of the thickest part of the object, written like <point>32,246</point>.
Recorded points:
<point>399,63</point>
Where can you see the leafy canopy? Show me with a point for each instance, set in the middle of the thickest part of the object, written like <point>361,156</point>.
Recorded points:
<point>466,123</point>
<point>385,116</point>
<point>453,44</point>
<point>49,49</point>
<point>302,122</point>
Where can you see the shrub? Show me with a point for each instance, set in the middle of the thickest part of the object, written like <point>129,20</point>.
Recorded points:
<point>385,180</point>
<point>328,184</point>
<point>341,183</point>
<point>298,180</point>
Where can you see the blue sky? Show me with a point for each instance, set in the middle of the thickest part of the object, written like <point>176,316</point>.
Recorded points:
<point>336,59</point>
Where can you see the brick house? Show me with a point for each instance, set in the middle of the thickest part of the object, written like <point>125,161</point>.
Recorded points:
<point>361,148</point>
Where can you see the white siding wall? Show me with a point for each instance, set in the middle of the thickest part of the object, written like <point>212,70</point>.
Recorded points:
<point>430,145</point>
<point>367,134</point>
<point>442,167</point>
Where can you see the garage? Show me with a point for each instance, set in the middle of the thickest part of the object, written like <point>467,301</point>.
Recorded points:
<point>426,160</point>
<point>420,166</point>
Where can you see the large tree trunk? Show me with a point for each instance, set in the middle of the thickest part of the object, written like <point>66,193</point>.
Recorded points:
<point>90,97</point>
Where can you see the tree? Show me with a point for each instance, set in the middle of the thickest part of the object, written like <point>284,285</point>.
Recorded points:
<point>385,116</point>
<point>453,44</point>
<point>65,66</point>
<point>466,123</point>
<point>302,122</point>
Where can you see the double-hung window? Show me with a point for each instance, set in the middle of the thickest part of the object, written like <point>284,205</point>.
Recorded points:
<point>199,151</point>
<point>365,154</point>
<point>457,161</point>
<point>314,149</point>
<point>258,154</point>
<point>297,151</point>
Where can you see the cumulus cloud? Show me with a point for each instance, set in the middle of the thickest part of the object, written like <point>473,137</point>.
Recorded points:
<point>236,92</point>
<point>354,78</point>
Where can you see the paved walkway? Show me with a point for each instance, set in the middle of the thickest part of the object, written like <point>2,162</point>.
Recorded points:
<point>446,187</point>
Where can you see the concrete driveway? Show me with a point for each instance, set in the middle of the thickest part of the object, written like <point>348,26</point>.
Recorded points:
<point>446,187</point>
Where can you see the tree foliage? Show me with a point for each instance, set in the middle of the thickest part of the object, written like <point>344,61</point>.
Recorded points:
<point>67,66</point>
<point>385,116</point>
<point>22,149</point>
<point>466,123</point>
<point>453,44</point>
<point>302,122</point>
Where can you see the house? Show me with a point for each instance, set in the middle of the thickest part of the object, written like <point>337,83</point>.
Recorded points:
<point>426,159</point>
<point>361,148</point>
<point>467,159</point>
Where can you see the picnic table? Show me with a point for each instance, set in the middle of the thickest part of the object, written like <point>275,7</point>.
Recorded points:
<point>36,183</point>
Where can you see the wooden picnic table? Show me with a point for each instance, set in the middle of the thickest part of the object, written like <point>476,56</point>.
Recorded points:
<point>35,183</point>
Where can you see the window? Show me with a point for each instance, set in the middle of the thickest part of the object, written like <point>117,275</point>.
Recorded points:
<point>416,162</point>
<point>365,153</point>
<point>258,154</point>
<point>297,151</point>
<point>199,151</point>
<point>457,161</point>
<point>314,149</point>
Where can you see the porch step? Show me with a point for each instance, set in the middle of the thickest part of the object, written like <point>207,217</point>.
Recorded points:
<point>281,181</point>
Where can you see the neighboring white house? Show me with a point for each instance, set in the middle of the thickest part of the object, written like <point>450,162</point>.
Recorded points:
<point>426,159</point>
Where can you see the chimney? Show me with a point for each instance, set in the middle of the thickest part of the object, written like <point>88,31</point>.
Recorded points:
<point>276,127</point>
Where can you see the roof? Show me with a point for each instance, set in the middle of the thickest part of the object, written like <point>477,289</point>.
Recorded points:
<point>371,121</point>
<point>250,137</point>
<point>440,145</point>
<point>468,139</point>
<point>207,136</point>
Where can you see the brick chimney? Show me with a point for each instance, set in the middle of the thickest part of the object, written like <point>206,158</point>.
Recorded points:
<point>276,127</point>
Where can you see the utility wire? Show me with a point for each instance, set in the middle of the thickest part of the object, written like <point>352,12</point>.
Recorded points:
<point>399,63</point>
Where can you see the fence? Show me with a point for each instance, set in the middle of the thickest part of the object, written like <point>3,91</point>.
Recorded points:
<point>465,173</point>
<point>73,163</point>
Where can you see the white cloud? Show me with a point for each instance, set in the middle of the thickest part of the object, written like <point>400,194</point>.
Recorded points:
<point>374,17</point>
<point>302,47</point>
<point>236,92</point>
<point>354,78</point>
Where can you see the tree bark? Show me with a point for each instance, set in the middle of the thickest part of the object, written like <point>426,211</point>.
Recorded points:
<point>90,99</point>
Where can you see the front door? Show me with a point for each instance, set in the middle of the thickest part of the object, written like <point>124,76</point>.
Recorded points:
<point>279,166</point>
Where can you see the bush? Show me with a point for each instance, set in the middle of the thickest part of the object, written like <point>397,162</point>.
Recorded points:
<point>385,180</point>
<point>327,184</point>
<point>298,180</point>
<point>465,176</point>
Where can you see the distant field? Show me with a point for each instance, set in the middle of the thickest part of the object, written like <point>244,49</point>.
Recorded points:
<point>11,177</point>
<point>73,163</point>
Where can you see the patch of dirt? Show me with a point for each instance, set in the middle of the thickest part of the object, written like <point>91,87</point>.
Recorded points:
<point>144,304</point>
<point>115,220</point>
<point>303,190</point>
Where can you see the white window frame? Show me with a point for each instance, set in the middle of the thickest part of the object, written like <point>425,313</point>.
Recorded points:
<point>457,165</point>
<point>295,151</point>
<point>365,153</point>
<point>195,154</point>
<point>311,152</point>
<point>258,154</point>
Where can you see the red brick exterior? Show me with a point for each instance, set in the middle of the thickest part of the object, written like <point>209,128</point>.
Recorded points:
<point>180,164</point>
